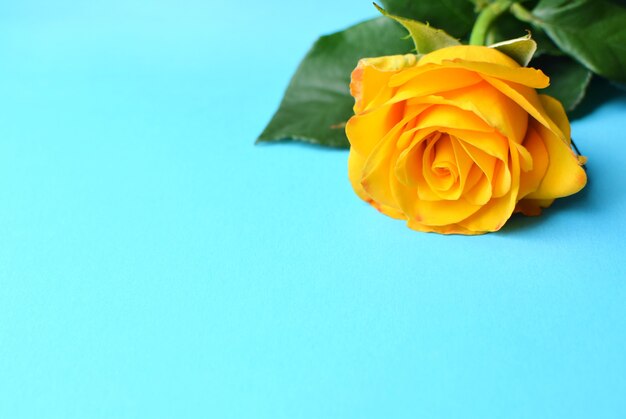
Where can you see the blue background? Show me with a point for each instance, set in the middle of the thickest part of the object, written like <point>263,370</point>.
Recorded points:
<point>155,264</point>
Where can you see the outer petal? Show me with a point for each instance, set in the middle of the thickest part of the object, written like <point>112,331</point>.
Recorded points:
<point>371,76</point>
<point>469,53</point>
<point>556,112</point>
<point>377,172</point>
<point>365,130</point>
<point>564,175</point>
<point>356,162</point>
<point>452,72</point>
<point>355,172</point>
<point>432,78</point>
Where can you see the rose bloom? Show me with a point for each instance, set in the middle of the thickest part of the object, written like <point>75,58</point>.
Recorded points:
<point>456,141</point>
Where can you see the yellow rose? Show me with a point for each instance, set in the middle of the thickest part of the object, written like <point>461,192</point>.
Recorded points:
<point>457,140</point>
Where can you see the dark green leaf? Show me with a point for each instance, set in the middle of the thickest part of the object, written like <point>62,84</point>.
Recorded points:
<point>317,103</point>
<point>456,17</point>
<point>426,38</point>
<point>600,91</point>
<point>568,79</point>
<point>591,31</point>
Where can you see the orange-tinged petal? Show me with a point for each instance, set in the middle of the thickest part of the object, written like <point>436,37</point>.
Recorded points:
<point>564,175</point>
<point>371,76</point>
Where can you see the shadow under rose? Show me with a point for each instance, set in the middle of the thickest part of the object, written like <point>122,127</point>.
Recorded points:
<point>580,202</point>
<point>600,93</point>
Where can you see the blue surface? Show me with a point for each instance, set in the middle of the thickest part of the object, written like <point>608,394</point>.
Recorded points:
<point>155,264</point>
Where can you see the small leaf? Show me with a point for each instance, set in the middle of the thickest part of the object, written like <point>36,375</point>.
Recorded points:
<point>317,102</point>
<point>426,38</point>
<point>455,16</point>
<point>591,31</point>
<point>568,79</point>
<point>506,27</point>
<point>520,49</point>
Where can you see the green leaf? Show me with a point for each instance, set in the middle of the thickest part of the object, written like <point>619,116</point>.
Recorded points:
<point>317,102</point>
<point>425,38</point>
<point>591,31</point>
<point>520,49</point>
<point>454,16</point>
<point>568,79</point>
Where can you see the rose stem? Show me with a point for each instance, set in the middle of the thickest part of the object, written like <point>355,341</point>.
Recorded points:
<point>485,19</point>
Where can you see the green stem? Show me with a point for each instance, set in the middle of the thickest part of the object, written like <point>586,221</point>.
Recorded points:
<point>522,14</point>
<point>486,18</point>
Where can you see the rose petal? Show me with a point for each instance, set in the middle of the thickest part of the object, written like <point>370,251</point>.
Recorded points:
<point>528,99</point>
<point>523,75</point>
<point>492,144</point>
<point>365,131</point>
<point>456,71</point>
<point>530,180</point>
<point>493,215</point>
<point>556,112</point>
<point>432,78</point>
<point>468,53</point>
<point>439,166</point>
<point>371,76</point>
<point>564,176</point>
<point>493,107</point>
<point>356,164</point>
<point>452,117</point>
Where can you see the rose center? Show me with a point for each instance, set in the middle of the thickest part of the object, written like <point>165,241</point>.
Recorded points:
<point>443,164</point>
